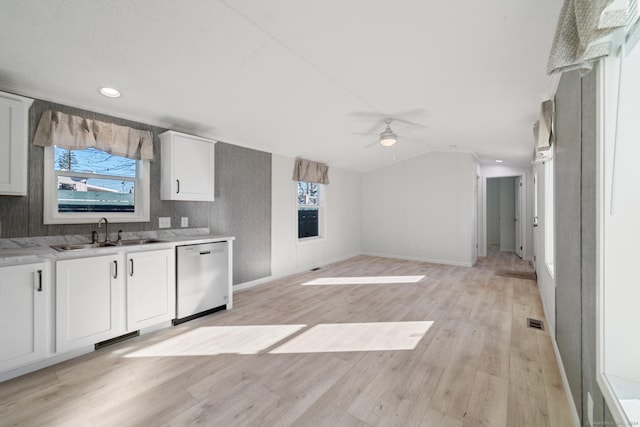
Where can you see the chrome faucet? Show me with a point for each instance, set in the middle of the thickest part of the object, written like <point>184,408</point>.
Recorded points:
<point>106,228</point>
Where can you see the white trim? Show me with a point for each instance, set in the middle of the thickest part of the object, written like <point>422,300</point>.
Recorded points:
<point>482,245</point>
<point>420,259</point>
<point>565,382</point>
<point>264,280</point>
<point>606,101</point>
<point>52,216</point>
<point>563,374</point>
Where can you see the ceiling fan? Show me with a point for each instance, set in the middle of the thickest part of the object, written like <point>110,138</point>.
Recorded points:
<point>387,137</point>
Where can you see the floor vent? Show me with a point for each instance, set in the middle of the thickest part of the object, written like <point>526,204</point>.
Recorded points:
<point>315,269</point>
<point>103,344</point>
<point>535,324</point>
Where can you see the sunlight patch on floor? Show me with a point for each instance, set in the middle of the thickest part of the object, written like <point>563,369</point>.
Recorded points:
<point>371,280</point>
<point>340,337</point>
<point>213,340</point>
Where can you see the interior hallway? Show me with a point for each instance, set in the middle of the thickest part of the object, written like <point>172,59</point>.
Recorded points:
<point>349,348</point>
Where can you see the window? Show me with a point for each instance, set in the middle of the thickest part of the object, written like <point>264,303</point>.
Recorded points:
<point>83,185</point>
<point>308,209</point>
<point>549,233</point>
<point>617,235</point>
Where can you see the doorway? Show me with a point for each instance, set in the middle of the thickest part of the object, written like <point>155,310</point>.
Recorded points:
<point>503,215</point>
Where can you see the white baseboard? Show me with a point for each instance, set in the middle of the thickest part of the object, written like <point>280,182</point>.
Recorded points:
<point>253,283</point>
<point>41,364</point>
<point>565,381</point>
<point>430,260</point>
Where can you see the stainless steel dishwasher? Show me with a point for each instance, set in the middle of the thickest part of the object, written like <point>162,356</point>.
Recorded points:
<point>202,284</point>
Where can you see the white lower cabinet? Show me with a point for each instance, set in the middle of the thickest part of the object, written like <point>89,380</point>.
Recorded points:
<point>25,293</point>
<point>89,301</point>
<point>151,288</point>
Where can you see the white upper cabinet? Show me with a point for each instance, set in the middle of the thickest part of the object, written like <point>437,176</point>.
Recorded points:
<point>187,167</point>
<point>14,134</point>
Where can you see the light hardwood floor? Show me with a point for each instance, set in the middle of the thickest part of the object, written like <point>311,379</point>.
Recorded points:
<point>350,354</point>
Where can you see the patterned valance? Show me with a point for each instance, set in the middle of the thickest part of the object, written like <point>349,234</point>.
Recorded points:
<point>308,171</point>
<point>545,125</point>
<point>77,133</point>
<point>582,33</point>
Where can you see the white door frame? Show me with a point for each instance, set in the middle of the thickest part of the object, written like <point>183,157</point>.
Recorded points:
<point>523,214</point>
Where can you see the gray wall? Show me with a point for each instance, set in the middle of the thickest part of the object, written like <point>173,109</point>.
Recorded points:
<point>575,203</point>
<point>242,207</point>
<point>567,203</point>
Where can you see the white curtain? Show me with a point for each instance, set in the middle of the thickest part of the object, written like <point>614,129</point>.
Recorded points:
<point>78,133</point>
<point>582,33</point>
<point>308,171</point>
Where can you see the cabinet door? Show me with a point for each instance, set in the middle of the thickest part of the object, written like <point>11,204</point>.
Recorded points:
<point>151,288</point>
<point>187,167</point>
<point>24,291</point>
<point>88,301</point>
<point>14,113</point>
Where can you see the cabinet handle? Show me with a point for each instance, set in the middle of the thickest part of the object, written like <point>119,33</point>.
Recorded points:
<point>178,184</point>
<point>131,272</point>
<point>39,280</point>
<point>115,263</point>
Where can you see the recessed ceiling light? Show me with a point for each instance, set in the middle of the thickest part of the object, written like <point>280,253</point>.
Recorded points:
<point>453,147</point>
<point>499,161</point>
<point>110,92</point>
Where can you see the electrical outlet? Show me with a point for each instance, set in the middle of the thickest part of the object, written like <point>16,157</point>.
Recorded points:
<point>184,221</point>
<point>590,408</point>
<point>164,222</point>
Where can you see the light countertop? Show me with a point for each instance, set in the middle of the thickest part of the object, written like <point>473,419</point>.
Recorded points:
<point>34,249</point>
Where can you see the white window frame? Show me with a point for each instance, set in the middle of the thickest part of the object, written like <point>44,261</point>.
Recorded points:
<point>616,345</point>
<point>320,206</point>
<point>549,214</point>
<point>52,216</point>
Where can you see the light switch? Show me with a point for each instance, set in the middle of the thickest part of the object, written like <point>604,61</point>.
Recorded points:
<point>184,221</point>
<point>164,222</point>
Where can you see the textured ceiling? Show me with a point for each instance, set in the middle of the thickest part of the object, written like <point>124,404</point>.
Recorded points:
<point>294,77</point>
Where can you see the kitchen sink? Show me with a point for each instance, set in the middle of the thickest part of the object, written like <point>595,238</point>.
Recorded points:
<point>77,246</point>
<point>136,242</point>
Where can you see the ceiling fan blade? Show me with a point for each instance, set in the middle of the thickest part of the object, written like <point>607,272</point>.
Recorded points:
<point>364,133</point>
<point>374,143</point>
<point>410,113</point>
<point>367,114</point>
<point>409,123</point>
<point>374,129</point>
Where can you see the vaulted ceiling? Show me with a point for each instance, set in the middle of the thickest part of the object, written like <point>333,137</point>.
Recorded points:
<point>297,78</point>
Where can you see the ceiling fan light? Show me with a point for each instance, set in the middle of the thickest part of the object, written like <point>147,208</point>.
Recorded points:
<point>388,138</point>
<point>388,141</point>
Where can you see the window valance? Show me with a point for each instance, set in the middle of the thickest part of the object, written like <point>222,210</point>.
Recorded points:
<point>582,33</point>
<point>543,131</point>
<point>545,125</point>
<point>308,171</point>
<point>78,133</point>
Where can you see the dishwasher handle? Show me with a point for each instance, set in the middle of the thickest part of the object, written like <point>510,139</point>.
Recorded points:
<point>205,252</point>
